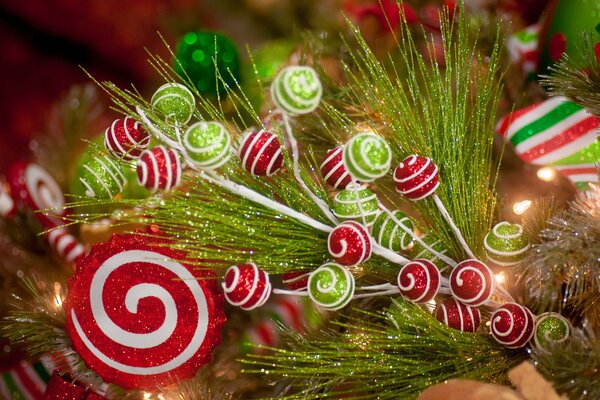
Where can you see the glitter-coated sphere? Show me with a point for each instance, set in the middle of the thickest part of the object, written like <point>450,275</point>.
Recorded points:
<point>126,138</point>
<point>419,281</point>
<point>246,286</point>
<point>512,325</point>
<point>174,102</point>
<point>472,282</point>
<point>208,144</point>
<point>416,177</point>
<point>418,251</point>
<point>367,157</point>
<point>260,153</point>
<point>296,280</point>
<point>506,244</point>
<point>331,286</point>
<point>356,203</point>
<point>195,58</point>
<point>389,234</point>
<point>550,329</point>
<point>102,178</point>
<point>159,168</point>
<point>297,90</point>
<point>349,243</point>
<point>333,170</point>
<point>456,315</point>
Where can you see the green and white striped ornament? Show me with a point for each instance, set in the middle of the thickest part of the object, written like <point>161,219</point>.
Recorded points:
<point>418,251</point>
<point>174,102</point>
<point>506,244</point>
<point>207,144</point>
<point>390,235</point>
<point>331,286</point>
<point>367,157</point>
<point>356,203</point>
<point>297,90</point>
<point>102,178</point>
<point>550,329</point>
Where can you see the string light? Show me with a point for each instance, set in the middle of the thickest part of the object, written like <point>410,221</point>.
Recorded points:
<point>501,278</point>
<point>546,174</point>
<point>521,206</point>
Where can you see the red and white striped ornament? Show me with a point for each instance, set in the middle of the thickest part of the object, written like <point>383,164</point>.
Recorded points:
<point>333,170</point>
<point>472,282</point>
<point>349,243</point>
<point>296,280</point>
<point>261,153</point>
<point>126,138</point>
<point>512,325</point>
<point>159,168</point>
<point>419,281</point>
<point>459,316</point>
<point>246,286</point>
<point>263,334</point>
<point>416,177</point>
<point>65,245</point>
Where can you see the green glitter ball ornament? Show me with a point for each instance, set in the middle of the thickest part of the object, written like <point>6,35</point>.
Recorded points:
<point>506,244</point>
<point>210,60</point>
<point>102,178</point>
<point>331,286</point>
<point>550,328</point>
<point>297,90</point>
<point>208,144</point>
<point>174,102</point>
<point>418,251</point>
<point>389,234</point>
<point>367,157</point>
<point>356,203</point>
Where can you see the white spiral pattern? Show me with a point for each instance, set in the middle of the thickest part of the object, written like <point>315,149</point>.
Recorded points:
<point>331,286</point>
<point>476,295</point>
<point>355,231</point>
<point>256,295</point>
<point>296,104</point>
<point>547,335</point>
<point>505,328</point>
<point>44,192</point>
<point>372,170</point>
<point>493,253</point>
<point>200,154</point>
<point>166,92</point>
<point>432,281</point>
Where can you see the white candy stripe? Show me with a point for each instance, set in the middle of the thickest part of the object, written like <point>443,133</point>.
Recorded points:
<point>472,317</point>
<point>533,115</point>
<point>583,178</point>
<point>178,170</point>
<point>155,169</point>
<point>444,314</point>
<point>234,282</point>
<point>249,148</point>
<point>35,378</point>
<point>568,149</point>
<point>143,165</point>
<point>98,179</point>
<point>431,177</point>
<point>271,167</point>
<point>43,189</point>
<point>411,160</point>
<point>333,154</point>
<point>479,298</point>
<point>6,203</point>
<point>261,151</point>
<point>74,253</point>
<point>168,166</point>
<point>111,131</point>
<point>504,253</point>
<point>23,389</point>
<point>111,171</point>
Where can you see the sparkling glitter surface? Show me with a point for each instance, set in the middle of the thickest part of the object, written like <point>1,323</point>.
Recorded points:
<point>331,286</point>
<point>349,243</point>
<point>60,388</point>
<point>458,316</point>
<point>416,177</point>
<point>419,281</point>
<point>174,102</point>
<point>246,286</point>
<point>472,282</point>
<point>367,157</point>
<point>260,153</point>
<point>551,328</point>
<point>512,325</point>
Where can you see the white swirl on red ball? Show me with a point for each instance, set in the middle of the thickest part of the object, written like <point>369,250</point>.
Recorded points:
<point>512,325</point>
<point>419,281</point>
<point>246,286</point>
<point>458,316</point>
<point>349,243</point>
<point>472,282</point>
<point>261,153</point>
<point>159,168</point>
<point>416,177</point>
<point>126,138</point>
<point>334,171</point>
<point>65,244</point>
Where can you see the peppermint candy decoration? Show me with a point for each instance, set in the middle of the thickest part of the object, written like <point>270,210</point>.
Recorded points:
<point>159,168</point>
<point>512,325</point>
<point>356,203</point>
<point>207,144</point>
<point>349,243</point>
<point>459,316</point>
<point>297,90</point>
<point>126,138</point>
<point>331,286</point>
<point>550,329</point>
<point>246,286</point>
<point>296,280</point>
<point>140,319</point>
<point>66,245</point>
<point>416,177</point>
<point>175,102</point>
<point>472,282</point>
<point>506,245</point>
<point>419,281</point>
<point>333,170</point>
<point>367,157</point>
<point>261,153</point>
<point>389,234</point>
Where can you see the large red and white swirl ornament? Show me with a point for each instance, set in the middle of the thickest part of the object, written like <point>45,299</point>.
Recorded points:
<point>139,318</point>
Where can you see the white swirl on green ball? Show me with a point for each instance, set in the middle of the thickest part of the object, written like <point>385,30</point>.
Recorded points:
<point>389,234</point>
<point>356,203</point>
<point>367,157</point>
<point>297,90</point>
<point>175,102</point>
<point>433,242</point>
<point>102,178</point>
<point>550,329</point>
<point>506,244</point>
<point>331,286</point>
<point>207,144</point>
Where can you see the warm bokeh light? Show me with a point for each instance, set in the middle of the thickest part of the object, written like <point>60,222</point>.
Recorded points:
<point>546,174</point>
<point>501,278</point>
<point>521,206</point>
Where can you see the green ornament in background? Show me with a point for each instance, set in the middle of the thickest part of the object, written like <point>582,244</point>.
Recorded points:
<point>506,244</point>
<point>390,235</point>
<point>436,244</point>
<point>550,328</point>
<point>356,203</point>
<point>367,157</point>
<point>102,178</point>
<point>201,54</point>
<point>174,102</point>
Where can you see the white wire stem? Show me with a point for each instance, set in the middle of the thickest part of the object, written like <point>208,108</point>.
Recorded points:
<point>375,294</point>
<point>383,286</point>
<point>157,132</point>
<point>449,220</point>
<point>290,292</point>
<point>504,293</point>
<point>295,158</point>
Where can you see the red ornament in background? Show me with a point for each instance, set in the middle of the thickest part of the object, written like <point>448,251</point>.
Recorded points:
<point>387,13</point>
<point>419,281</point>
<point>65,245</point>
<point>140,319</point>
<point>458,316</point>
<point>557,46</point>
<point>126,138</point>
<point>333,170</point>
<point>512,325</point>
<point>246,286</point>
<point>296,280</point>
<point>261,153</point>
<point>159,168</point>
<point>349,243</point>
<point>416,177</point>
<point>472,282</point>
<point>64,388</point>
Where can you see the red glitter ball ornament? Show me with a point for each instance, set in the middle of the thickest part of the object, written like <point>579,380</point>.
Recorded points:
<point>416,177</point>
<point>246,286</point>
<point>333,170</point>
<point>296,280</point>
<point>261,153</point>
<point>512,325</point>
<point>458,316</point>
<point>159,168</point>
<point>419,281</point>
<point>472,282</point>
<point>126,138</point>
<point>349,243</point>
<point>140,319</point>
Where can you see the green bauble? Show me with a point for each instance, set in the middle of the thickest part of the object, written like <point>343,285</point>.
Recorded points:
<point>506,244</point>
<point>367,157</point>
<point>102,178</point>
<point>331,286</point>
<point>390,235</point>
<point>550,328</point>
<point>436,244</point>
<point>210,60</point>
<point>355,203</point>
<point>269,58</point>
<point>174,102</point>
<point>297,90</point>
<point>207,144</point>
